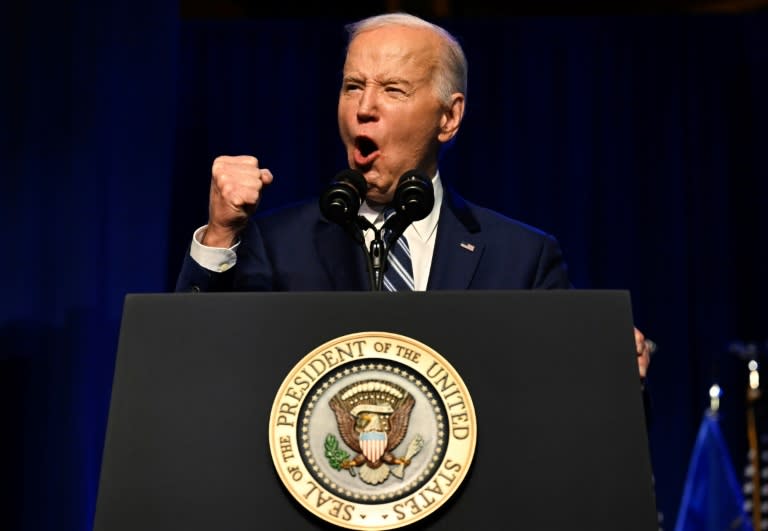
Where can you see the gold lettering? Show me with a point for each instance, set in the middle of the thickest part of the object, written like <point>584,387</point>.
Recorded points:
<point>293,393</point>
<point>318,366</point>
<point>427,500</point>
<point>329,358</point>
<point>301,383</point>
<point>433,487</point>
<point>448,388</point>
<point>460,417</point>
<point>354,350</point>
<point>311,377</point>
<point>459,421</point>
<point>337,508</point>
<point>440,377</point>
<point>284,411</point>
<point>452,465</point>
<point>449,395</point>
<point>348,510</point>
<point>415,509</point>
<point>312,488</point>
<point>460,432</point>
<point>405,352</point>
<point>424,498</point>
<point>285,448</point>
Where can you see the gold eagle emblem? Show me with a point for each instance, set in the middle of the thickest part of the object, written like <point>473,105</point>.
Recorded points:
<point>372,417</point>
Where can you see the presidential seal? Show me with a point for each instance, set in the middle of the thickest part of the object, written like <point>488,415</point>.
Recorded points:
<point>372,431</point>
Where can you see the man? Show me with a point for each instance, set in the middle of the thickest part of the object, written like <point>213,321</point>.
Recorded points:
<point>401,102</point>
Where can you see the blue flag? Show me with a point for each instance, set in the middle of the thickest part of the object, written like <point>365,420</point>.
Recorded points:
<point>712,499</point>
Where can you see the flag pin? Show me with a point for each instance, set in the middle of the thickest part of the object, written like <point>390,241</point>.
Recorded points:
<point>468,246</point>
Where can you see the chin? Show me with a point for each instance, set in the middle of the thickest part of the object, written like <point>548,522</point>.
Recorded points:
<point>376,199</point>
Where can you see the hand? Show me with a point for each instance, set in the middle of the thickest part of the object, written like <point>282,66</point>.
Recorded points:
<point>236,189</point>
<point>645,348</point>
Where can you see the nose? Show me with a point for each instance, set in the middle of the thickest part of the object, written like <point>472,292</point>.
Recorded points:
<point>367,108</point>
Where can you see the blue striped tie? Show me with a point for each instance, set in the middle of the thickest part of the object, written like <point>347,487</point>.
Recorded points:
<point>399,272</point>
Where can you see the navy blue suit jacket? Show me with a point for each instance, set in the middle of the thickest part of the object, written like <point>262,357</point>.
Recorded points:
<point>295,248</point>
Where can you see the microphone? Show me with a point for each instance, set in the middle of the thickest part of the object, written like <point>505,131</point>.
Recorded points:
<point>413,200</point>
<point>414,196</point>
<point>340,202</point>
<point>342,198</point>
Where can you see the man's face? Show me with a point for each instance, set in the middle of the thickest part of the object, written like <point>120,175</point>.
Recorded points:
<point>390,118</point>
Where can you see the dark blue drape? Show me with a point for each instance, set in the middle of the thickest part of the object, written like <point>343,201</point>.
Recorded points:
<point>87,116</point>
<point>639,141</point>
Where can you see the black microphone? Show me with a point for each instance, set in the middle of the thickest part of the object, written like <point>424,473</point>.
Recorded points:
<point>342,198</point>
<point>414,196</point>
<point>340,203</point>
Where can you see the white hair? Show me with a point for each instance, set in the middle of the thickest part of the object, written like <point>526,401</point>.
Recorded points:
<point>451,74</point>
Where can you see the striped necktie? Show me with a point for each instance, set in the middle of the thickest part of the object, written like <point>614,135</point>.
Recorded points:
<point>399,272</point>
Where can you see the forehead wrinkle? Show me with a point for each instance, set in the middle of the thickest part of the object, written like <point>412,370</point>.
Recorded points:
<point>388,62</point>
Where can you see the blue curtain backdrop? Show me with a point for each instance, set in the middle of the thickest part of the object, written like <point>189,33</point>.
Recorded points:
<point>639,141</point>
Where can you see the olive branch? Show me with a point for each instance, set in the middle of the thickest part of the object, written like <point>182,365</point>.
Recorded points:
<point>334,454</point>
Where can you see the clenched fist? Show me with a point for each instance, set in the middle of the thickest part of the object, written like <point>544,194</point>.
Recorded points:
<point>236,189</point>
<point>645,349</point>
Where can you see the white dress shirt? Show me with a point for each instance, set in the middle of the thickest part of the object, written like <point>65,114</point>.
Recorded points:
<point>419,234</point>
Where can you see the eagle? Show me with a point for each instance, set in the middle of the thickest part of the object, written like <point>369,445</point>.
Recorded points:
<point>373,428</point>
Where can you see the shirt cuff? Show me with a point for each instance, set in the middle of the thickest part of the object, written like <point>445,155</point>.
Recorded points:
<point>214,259</point>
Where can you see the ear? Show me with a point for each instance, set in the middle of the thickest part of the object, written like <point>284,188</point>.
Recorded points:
<point>451,119</point>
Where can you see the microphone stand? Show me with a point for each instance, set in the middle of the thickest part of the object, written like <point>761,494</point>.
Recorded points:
<point>379,250</point>
<point>376,255</point>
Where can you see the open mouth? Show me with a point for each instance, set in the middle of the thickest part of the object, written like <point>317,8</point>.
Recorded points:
<point>366,151</point>
<point>365,145</point>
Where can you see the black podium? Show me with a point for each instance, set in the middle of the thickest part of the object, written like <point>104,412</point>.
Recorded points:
<point>561,440</point>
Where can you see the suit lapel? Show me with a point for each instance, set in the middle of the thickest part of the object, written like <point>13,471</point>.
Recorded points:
<point>343,259</point>
<point>458,247</point>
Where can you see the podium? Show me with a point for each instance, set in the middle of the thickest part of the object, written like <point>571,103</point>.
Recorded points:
<point>561,435</point>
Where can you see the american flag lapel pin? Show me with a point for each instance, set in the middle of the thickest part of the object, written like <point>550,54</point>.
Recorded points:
<point>468,246</point>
